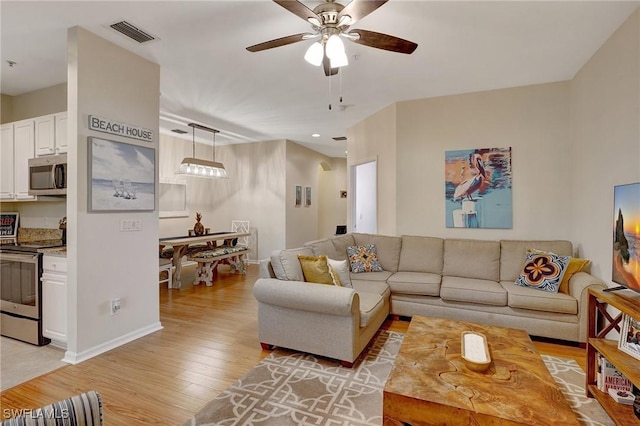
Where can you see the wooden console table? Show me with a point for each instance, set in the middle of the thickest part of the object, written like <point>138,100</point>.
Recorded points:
<point>181,245</point>
<point>600,323</point>
<point>429,383</point>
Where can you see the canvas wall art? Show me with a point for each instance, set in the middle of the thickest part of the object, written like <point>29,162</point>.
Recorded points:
<point>478,188</point>
<point>121,176</point>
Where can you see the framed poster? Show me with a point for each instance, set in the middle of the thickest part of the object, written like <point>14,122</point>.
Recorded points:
<point>298,195</point>
<point>307,196</point>
<point>478,188</point>
<point>121,176</point>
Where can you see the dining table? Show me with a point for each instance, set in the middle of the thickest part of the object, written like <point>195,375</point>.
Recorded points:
<point>181,245</point>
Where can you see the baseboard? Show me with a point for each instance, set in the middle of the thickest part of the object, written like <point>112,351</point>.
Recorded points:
<point>76,358</point>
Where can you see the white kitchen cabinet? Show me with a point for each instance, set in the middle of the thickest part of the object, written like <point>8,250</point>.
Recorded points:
<point>6,161</point>
<point>54,299</point>
<point>18,146</point>
<point>62,140</point>
<point>51,134</point>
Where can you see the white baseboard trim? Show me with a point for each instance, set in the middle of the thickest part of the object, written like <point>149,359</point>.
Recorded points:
<point>76,358</point>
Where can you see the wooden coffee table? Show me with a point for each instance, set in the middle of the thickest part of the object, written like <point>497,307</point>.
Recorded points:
<point>430,384</point>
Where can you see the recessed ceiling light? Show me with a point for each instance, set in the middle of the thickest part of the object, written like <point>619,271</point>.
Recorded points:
<point>315,135</point>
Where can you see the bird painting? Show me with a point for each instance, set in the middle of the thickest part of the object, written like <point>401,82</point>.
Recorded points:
<point>473,184</point>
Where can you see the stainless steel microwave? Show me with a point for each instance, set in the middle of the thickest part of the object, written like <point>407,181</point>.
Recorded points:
<point>48,175</point>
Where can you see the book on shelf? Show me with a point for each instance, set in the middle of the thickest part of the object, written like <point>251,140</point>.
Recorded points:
<point>609,377</point>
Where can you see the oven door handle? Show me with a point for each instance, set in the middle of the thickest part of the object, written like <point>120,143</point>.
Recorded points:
<point>31,258</point>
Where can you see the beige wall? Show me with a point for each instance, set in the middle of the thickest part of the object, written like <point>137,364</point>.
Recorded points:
<point>605,103</point>
<point>332,208</point>
<point>302,169</point>
<point>255,190</point>
<point>105,263</point>
<point>572,142</point>
<point>376,139</point>
<point>34,104</point>
<point>532,120</point>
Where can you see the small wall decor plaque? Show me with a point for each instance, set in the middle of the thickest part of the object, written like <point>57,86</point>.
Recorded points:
<point>9,225</point>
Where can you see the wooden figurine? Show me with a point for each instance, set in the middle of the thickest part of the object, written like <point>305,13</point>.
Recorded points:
<point>198,228</point>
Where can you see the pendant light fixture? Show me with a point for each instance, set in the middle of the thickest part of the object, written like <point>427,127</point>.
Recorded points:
<point>192,166</point>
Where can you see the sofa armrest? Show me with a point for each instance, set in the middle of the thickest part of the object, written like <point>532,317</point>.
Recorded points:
<point>302,296</point>
<point>579,284</point>
<point>265,269</point>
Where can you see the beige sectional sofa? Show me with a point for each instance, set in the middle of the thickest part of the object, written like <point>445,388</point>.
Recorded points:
<point>461,279</point>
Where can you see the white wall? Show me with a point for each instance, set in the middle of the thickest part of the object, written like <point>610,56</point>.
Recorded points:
<point>104,263</point>
<point>605,103</point>
<point>255,190</point>
<point>34,104</point>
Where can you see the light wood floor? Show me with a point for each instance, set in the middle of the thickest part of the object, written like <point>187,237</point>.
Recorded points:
<point>209,340</point>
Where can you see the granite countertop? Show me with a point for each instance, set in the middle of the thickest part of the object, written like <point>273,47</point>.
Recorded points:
<point>54,251</point>
<point>38,234</point>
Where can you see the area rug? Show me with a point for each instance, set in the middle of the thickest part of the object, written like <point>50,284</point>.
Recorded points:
<point>288,388</point>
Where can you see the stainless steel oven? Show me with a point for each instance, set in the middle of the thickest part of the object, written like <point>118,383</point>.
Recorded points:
<point>21,291</point>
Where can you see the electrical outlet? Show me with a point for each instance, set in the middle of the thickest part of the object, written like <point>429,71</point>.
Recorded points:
<point>127,225</point>
<point>115,306</point>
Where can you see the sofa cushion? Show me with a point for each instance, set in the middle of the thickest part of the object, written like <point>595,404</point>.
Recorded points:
<point>364,259</point>
<point>529,298</point>
<point>371,276</point>
<point>419,283</point>
<point>388,248</point>
<point>513,253</point>
<point>472,259</point>
<point>286,265</point>
<point>370,305</point>
<point>333,248</point>
<point>421,254</point>
<point>472,290</point>
<point>380,288</point>
<point>543,271</point>
<point>315,269</point>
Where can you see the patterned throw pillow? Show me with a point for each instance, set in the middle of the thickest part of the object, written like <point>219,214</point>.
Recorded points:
<point>364,259</point>
<point>575,265</point>
<point>543,271</point>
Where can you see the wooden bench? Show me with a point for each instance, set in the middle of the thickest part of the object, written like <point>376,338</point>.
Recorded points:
<point>208,261</point>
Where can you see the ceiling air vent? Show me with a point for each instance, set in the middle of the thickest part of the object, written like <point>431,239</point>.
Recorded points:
<point>340,138</point>
<point>179,131</point>
<point>132,32</point>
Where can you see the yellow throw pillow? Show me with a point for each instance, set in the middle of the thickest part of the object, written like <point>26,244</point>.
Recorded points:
<point>315,269</point>
<point>575,265</point>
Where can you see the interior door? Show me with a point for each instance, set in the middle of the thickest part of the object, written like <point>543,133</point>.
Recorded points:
<point>364,208</point>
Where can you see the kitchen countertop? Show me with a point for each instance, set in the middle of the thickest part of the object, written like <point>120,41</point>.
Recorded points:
<point>54,251</point>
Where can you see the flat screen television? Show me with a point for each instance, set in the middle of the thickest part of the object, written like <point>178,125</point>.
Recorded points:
<point>626,236</point>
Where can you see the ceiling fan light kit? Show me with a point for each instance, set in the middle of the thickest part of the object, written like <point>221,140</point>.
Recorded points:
<point>331,21</point>
<point>192,166</point>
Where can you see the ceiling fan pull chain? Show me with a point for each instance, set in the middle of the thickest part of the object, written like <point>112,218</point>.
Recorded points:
<point>341,85</point>
<point>330,93</point>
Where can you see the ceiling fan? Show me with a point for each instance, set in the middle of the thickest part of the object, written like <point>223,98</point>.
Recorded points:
<point>331,19</point>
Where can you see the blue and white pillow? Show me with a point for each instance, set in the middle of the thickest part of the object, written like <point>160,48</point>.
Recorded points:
<point>364,259</point>
<point>543,271</point>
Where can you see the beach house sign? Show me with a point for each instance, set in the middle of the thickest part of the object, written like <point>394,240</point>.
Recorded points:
<point>121,129</point>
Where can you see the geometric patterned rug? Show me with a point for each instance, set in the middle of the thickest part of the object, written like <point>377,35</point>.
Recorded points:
<point>292,388</point>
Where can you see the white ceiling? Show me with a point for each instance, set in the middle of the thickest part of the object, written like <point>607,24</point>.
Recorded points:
<point>207,76</point>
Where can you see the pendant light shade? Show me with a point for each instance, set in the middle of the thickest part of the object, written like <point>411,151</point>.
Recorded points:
<point>192,166</point>
<point>335,47</point>
<point>314,54</point>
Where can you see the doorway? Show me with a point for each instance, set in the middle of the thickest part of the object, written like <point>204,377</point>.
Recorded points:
<point>364,202</point>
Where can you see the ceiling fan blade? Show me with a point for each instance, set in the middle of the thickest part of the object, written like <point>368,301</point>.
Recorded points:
<point>358,9</point>
<point>326,65</point>
<point>298,9</point>
<point>283,41</point>
<point>384,41</point>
